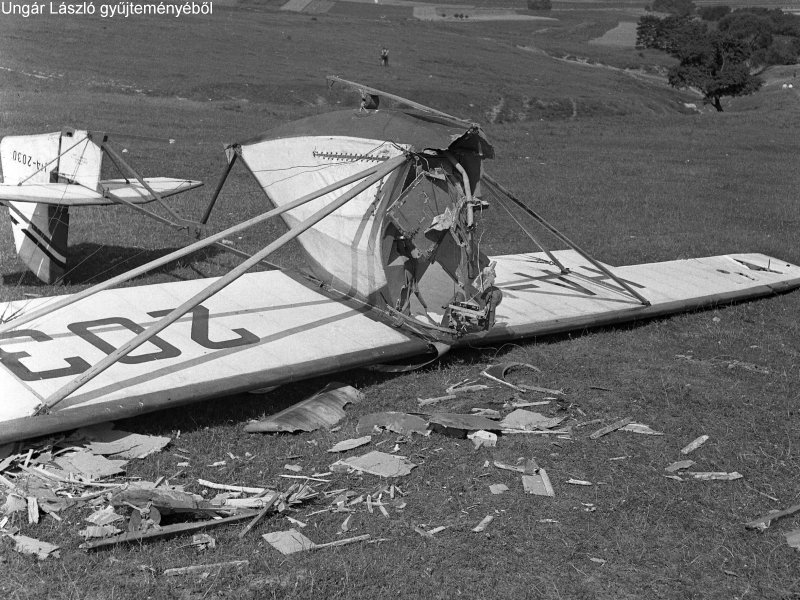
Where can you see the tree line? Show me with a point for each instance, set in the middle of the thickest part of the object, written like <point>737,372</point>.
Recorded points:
<point>720,51</point>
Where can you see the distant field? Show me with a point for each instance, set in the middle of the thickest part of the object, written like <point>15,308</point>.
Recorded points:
<point>614,160</point>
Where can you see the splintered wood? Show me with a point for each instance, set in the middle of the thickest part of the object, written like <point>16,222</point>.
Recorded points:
<point>613,427</point>
<point>292,541</point>
<point>694,444</point>
<point>538,484</point>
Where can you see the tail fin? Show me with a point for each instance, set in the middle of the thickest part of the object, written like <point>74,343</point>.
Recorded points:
<point>41,231</point>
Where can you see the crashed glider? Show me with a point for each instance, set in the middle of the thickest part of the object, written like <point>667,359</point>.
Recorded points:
<point>387,206</point>
<point>44,175</point>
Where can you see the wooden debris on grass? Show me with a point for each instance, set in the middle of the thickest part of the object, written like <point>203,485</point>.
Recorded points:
<point>498,488</point>
<point>679,466</point>
<point>483,524</point>
<point>428,401</point>
<point>399,422</point>
<point>376,463</point>
<point>232,488</point>
<point>98,531</point>
<point>163,532</point>
<point>90,465</point>
<point>527,420</point>
<point>429,533</point>
<point>104,516</point>
<point>489,413</point>
<point>579,482</point>
<point>202,541</point>
<point>324,409</point>
<point>541,390</point>
<point>350,444</point>
<point>13,504</point>
<point>29,545</point>
<point>457,425</point>
<point>609,428</point>
<point>640,428</point>
<point>764,522</point>
<point>715,475</point>
<point>694,444</point>
<point>209,568</point>
<point>498,373</point>
<point>507,467</point>
<point>793,538</point>
<point>483,438</point>
<point>345,526</point>
<point>292,541</point>
<point>527,404</point>
<point>538,483</point>
<point>465,386</point>
<point>166,501</point>
<point>103,439</point>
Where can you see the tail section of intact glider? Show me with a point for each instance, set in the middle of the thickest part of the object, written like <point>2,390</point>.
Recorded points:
<point>41,231</point>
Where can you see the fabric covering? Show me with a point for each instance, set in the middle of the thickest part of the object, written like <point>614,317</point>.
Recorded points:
<point>414,128</point>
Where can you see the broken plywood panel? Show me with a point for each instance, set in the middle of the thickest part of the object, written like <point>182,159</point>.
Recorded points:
<point>529,420</point>
<point>376,463</point>
<point>538,484</point>
<point>399,422</point>
<point>350,444</point>
<point>324,409</point>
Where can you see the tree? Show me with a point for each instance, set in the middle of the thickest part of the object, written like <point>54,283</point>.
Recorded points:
<point>717,66</point>
<point>648,30</point>
<point>668,34</point>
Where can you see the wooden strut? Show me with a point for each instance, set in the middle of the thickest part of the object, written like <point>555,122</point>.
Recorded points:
<point>184,223</point>
<point>106,147</point>
<point>222,181</point>
<point>370,90</point>
<point>166,531</point>
<point>82,379</point>
<point>67,300</point>
<point>564,270</point>
<point>565,239</point>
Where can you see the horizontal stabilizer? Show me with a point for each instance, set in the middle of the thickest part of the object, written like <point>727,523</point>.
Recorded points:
<point>65,194</point>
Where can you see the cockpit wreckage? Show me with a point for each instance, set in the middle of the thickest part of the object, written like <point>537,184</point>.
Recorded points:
<point>387,207</point>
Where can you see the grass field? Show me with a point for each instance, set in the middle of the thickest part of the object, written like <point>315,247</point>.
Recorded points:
<point>617,163</point>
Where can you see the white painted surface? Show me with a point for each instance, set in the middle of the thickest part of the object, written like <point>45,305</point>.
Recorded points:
<point>347,243</point>
<point>297,326</point>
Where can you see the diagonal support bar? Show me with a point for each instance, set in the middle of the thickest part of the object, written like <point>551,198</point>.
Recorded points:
<point>213,239</point>
<point>566,240</point>
<point>106,146</point>
<point>221,182</point>
<point>82,379</point>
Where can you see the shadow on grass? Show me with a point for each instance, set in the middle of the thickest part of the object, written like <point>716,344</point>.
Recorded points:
<point>93,263</point>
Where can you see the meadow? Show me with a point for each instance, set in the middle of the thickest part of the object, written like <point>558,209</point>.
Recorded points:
<point>617,162</point>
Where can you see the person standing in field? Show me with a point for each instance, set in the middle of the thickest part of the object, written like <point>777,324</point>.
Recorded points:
<point>384,57</point>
